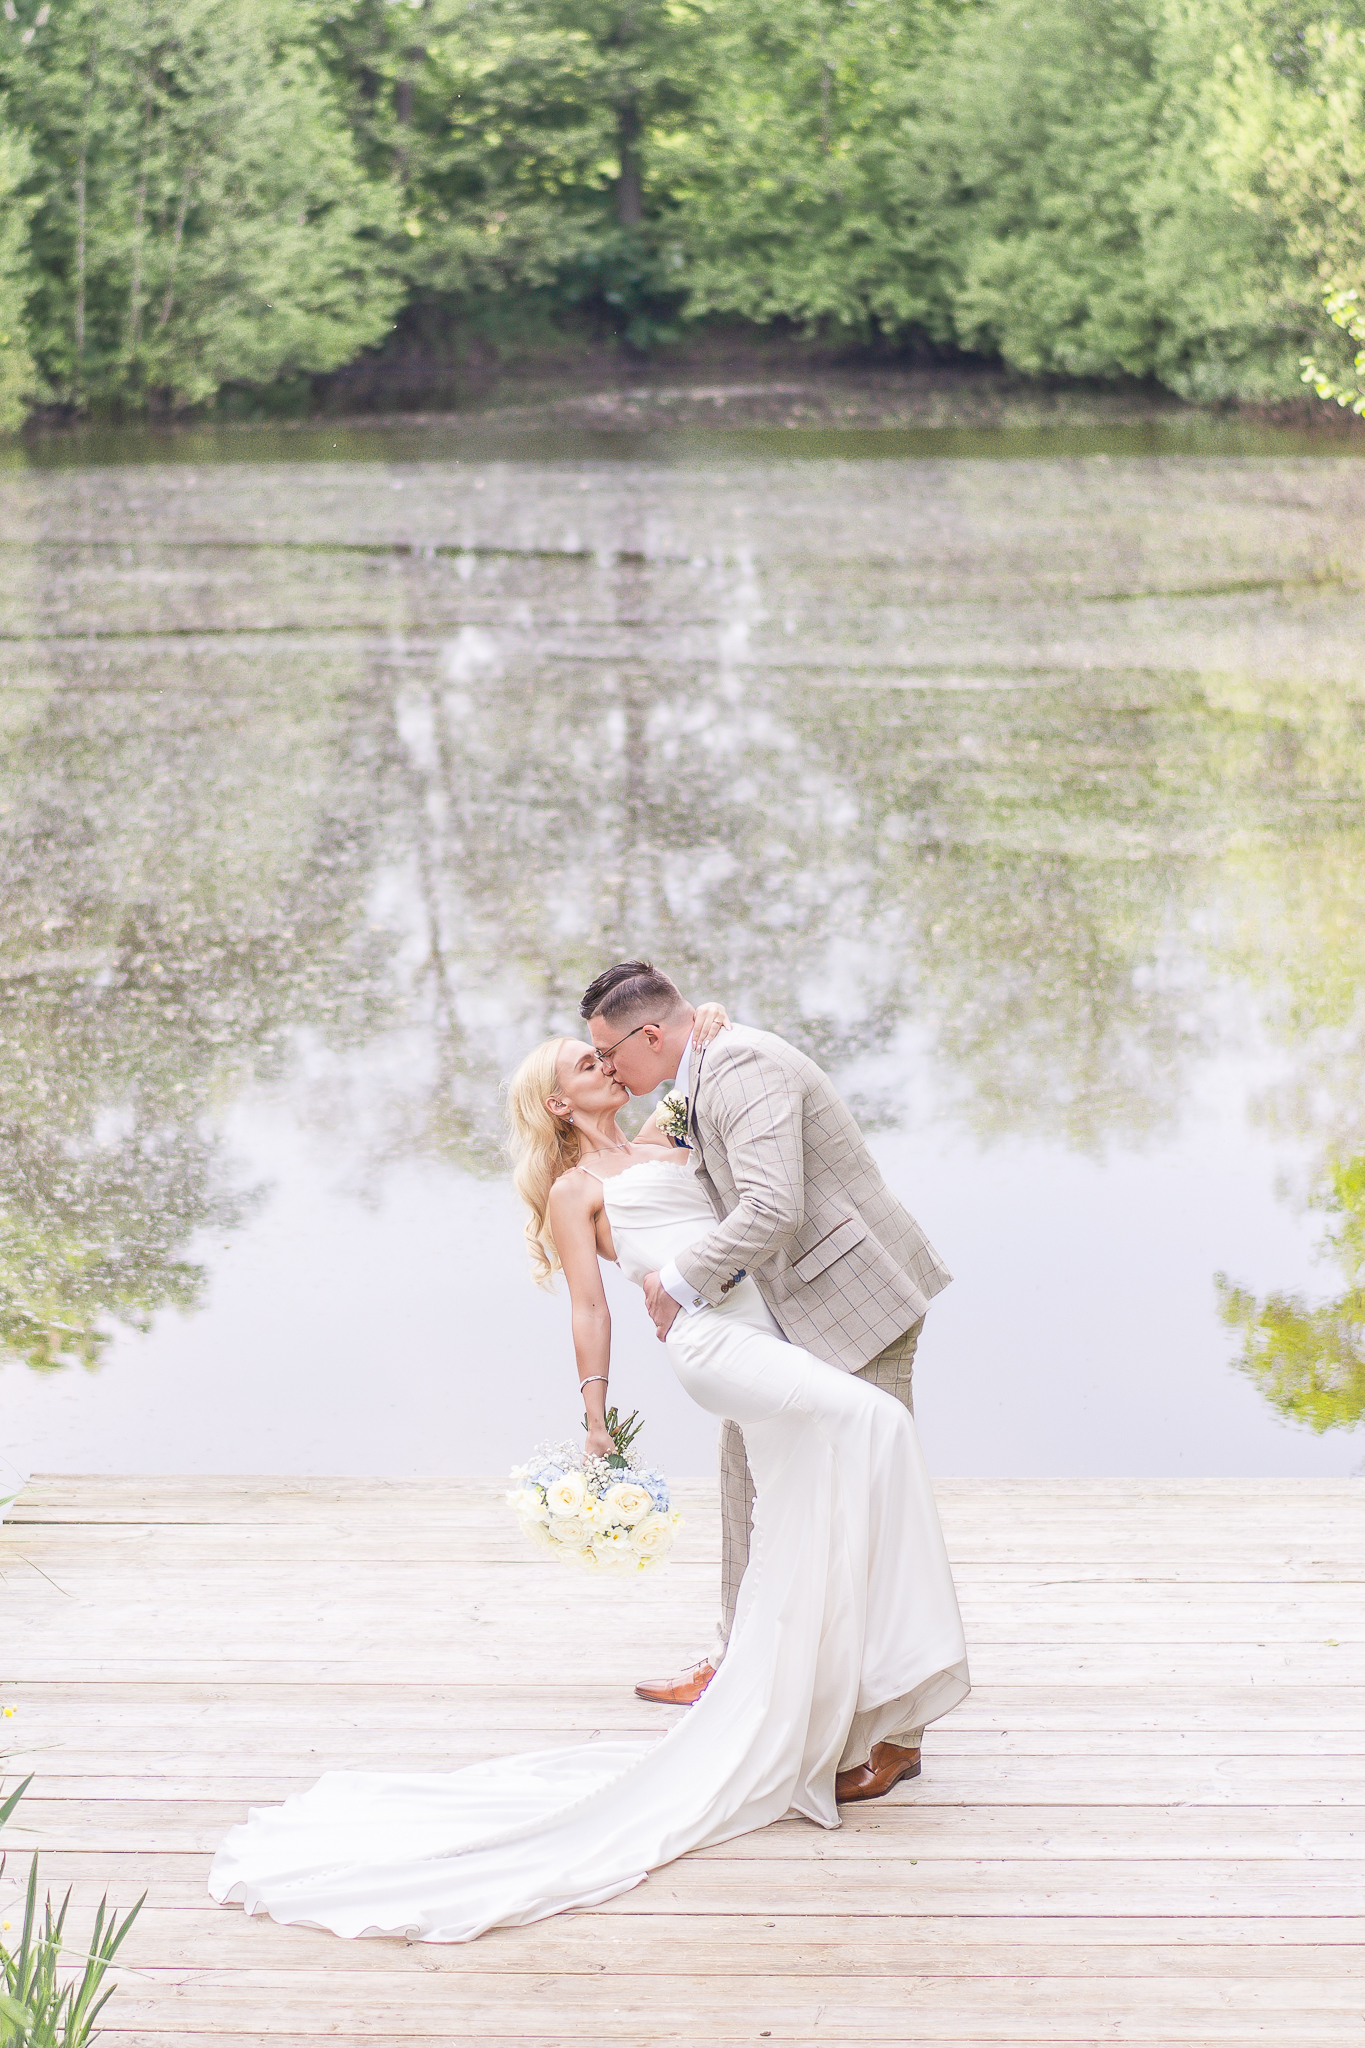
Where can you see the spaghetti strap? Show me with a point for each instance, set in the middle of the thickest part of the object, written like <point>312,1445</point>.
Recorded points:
<point>581,1168</point>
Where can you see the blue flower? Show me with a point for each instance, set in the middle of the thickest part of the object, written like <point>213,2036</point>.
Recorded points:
<point>656,1486</point>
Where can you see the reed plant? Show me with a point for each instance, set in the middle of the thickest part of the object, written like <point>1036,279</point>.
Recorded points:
<point>43,2002</point>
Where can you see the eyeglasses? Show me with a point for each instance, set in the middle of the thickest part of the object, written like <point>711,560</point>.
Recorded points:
<point>604,1057</point>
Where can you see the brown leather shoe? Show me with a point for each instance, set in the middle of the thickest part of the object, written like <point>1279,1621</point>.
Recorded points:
<point>679,1692</point>
<point>886,1766</point>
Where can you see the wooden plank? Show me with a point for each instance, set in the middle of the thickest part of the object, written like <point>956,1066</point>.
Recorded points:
<point>685,2007</point>
<point>1307,1504</point>
<point>262,1992</point>
<point>77,1750</point>
<point>272,1572</point>
<point>558,2031</point>
<point>367,1599</point>
<point>268,1664</point>
<point>1209,1784</point>
<point>77,1487</point>
<point>1070,1888</point>
<point>907,1829</point>
<point>1328,1951</point>
<point>1115,1713</point>
<point>977,1580</point>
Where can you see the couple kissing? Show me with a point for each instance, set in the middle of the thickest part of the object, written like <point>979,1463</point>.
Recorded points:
<point>789,1286</point>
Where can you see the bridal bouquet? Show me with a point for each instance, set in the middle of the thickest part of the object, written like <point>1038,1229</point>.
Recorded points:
<point>606,1514</point>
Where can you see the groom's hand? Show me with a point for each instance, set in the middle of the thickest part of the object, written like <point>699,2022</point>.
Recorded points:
<point>660,1304</point>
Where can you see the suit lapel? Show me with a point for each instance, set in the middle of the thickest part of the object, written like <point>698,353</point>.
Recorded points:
<point>693,1089</point>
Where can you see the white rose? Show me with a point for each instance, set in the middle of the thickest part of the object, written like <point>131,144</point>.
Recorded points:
<point>626,1502</point>
<point>570,1531</point>
<point>565,1496</point>
<point>653,1536</point>
<point>529,1505</point>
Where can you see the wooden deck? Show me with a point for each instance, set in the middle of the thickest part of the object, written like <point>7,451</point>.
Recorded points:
<point>1145,1826</point>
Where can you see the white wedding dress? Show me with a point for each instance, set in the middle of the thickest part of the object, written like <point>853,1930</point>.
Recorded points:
<point>847,1632</point>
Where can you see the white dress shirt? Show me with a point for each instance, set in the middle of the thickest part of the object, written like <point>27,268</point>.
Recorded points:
<point>670,1279</point>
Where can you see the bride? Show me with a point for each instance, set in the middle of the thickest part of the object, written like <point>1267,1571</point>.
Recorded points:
<point>847,1626</point>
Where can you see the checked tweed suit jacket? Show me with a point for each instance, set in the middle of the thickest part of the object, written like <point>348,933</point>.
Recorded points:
<point>801,1204</point>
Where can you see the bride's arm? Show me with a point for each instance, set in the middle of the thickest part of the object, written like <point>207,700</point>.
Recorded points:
<point>574,1204</point>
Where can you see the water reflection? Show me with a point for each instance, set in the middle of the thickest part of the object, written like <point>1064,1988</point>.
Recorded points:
<point>1309,1362</point>
<point>1024,795</point>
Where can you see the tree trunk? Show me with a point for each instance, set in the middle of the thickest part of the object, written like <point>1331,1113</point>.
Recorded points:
<point>414,57</point>
<point>630,209</point>
<point>80,229</point>
<point>139,227</point>
<point>187,186</point>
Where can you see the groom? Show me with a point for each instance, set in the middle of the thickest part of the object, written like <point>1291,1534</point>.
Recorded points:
<point>801,1205</point>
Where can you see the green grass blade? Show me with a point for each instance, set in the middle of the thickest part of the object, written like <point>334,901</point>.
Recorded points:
<point>26,1938</point>
<point>7,1806</point>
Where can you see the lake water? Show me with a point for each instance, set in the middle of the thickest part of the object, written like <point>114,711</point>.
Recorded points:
<point>1019,779</point>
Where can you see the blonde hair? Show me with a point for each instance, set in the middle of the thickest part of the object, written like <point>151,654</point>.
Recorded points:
<point>543,1147</point>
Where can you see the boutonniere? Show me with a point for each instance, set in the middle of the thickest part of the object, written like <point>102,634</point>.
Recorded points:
<point>672,1117</point>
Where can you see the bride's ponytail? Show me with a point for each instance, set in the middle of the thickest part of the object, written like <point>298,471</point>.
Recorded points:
<point>543,1147</point>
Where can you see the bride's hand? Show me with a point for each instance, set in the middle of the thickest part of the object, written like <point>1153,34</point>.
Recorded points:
<point>599,1444</point>
<point>711,1018</point>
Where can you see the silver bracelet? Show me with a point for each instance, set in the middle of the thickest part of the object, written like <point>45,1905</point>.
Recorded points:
<point>590,1379</point>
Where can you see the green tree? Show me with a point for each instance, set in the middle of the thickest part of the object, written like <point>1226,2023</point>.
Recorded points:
<point>812,190</point>
<point>1050,113</point>
<point>1291,145</point>
<point>1030,179</point>
<point>1096,235</point>
<point>16,364</point>
<point>530,145</point>
<point>201,215</point>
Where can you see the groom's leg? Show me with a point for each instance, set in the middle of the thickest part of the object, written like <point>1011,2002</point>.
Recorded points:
<point>736,1521</point>
<point>893,1371</point>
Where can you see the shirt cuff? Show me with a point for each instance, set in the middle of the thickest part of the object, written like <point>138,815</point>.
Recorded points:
<point>687,1297</point>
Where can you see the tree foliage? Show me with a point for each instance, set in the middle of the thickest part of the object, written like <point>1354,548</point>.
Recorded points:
<point>199,213</point>
<point>248,191</point>
<point>16,364</point>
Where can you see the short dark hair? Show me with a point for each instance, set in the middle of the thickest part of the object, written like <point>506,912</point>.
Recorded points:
<point>633,985</point>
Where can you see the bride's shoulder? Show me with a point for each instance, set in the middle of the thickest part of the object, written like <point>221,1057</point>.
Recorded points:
<point>573,1190</point>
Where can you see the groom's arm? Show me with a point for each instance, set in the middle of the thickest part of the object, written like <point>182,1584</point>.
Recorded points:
<point>756,1106</point>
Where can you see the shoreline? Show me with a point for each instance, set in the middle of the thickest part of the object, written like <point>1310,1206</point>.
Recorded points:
<point>733,398</point>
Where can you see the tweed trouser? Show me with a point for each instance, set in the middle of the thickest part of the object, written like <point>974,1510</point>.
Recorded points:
<point>892,1370</point>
